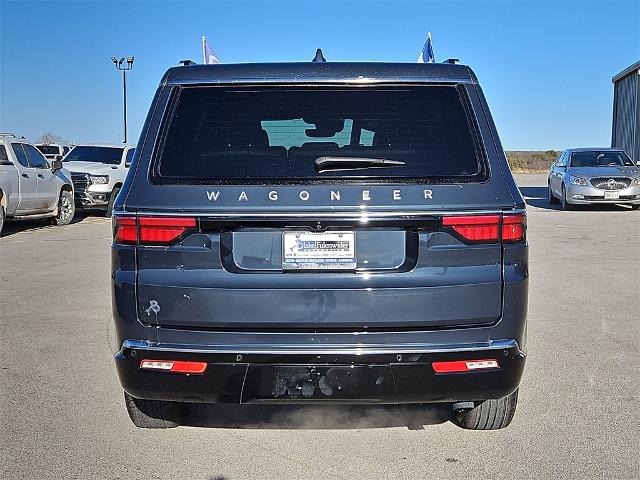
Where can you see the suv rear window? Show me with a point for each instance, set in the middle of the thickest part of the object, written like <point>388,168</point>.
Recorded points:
<point>276,134</point>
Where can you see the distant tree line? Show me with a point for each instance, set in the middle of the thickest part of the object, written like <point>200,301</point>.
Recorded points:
<point>49,138</point>
<point>531,161</point>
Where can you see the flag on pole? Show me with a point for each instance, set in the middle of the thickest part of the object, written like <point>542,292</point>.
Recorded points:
<point>427,55</point>
<point>209,55</point>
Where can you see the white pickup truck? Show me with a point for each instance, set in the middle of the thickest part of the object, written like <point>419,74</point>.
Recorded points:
<point>30,186</point>
<point>98,172</point>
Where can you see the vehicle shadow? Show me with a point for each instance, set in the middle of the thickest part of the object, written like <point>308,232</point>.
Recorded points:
<point>12,227</point>
<point>537,197</point>
<point>312,417</point>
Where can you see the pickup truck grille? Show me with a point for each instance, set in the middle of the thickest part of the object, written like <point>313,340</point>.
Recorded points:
<point>610,183</point>
<point>80,180</point>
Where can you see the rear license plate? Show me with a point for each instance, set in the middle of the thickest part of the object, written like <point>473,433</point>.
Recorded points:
<point>611,195</point>
<point>366,383</point>
<point>318,250</point>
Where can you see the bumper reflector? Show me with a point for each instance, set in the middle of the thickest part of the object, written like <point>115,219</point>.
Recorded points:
<point>174,366</point>
<point>465,366</point>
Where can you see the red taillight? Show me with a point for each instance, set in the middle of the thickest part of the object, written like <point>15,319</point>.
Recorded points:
<point>489,228</point>
<point>162,230</point>
<point>174,366</point>
<point>150,230</point>
<point>514,227</point>
<point>125,230</point>
<point>476,228</point>
<point>465,365</point>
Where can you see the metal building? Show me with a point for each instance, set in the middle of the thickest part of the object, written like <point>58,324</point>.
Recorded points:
<point>626,111</point>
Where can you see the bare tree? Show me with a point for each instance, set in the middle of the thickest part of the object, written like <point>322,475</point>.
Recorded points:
<point>48,138</point>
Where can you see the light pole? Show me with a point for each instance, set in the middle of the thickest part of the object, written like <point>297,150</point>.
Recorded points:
<point>124,68</point>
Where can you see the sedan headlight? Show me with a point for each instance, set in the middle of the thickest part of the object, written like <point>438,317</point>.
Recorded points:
<point>577,180</point>
<point>636,181</point>
<point>101,179</point>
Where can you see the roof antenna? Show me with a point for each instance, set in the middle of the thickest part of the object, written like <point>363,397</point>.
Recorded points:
<point>319,58</point>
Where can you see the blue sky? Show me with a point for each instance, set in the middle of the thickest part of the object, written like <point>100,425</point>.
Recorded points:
<point>545,67</point>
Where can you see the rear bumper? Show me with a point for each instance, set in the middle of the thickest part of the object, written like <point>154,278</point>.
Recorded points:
<point>340,373</point>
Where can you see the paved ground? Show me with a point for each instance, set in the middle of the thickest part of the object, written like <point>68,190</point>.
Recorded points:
<point>62,412</point>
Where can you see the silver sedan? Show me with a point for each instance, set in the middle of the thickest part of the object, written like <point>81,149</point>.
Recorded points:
<point>594,175</point>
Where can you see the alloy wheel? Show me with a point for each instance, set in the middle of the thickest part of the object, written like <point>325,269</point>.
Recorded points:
<point>65,209</point>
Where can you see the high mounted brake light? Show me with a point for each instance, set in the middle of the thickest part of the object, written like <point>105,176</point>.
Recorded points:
<point>150,230</point>
<point>488,228</point>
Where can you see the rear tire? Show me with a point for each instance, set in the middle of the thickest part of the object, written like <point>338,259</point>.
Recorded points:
<point>66,208</point>
<point>112,200</point>
<point>155,413</point>
<point>552,198</point>
<point>490,415</point>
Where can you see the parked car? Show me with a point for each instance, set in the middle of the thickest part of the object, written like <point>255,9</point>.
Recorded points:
<point>30,186</point>
<point>98,172</point>
<point>53,151</point>
<point>582,176</point>
<point>361,241</point>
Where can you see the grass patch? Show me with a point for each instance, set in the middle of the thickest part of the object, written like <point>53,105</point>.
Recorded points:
<point>531,161</point>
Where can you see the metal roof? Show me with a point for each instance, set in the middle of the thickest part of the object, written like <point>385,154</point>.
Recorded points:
<point>594,149</point>
<point>627,71</point>
<point>329,72</point>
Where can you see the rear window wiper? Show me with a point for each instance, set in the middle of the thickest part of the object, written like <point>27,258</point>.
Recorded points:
<point>326,164</point>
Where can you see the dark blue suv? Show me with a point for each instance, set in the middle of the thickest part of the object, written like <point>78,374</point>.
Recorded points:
<point>320,232</point>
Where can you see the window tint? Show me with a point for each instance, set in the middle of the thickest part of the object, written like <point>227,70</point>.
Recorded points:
<point>130,153</point>
<point>562,161</point>
<point>4,158</point>
<point>20,154</point>
<point>85,153</point>
<point>275,134</point>
<point>65,150</point>
<point>49,149</point>
<point>36,160</point>
<point>559,159</point>
<point>606,158</point>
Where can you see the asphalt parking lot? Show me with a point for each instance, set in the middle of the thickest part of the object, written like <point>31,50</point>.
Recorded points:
<point>63,415</point>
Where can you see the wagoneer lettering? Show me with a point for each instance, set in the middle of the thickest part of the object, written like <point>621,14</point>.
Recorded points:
<point>335,196</point>
<point>360,241</point>
<point>213,196</point>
